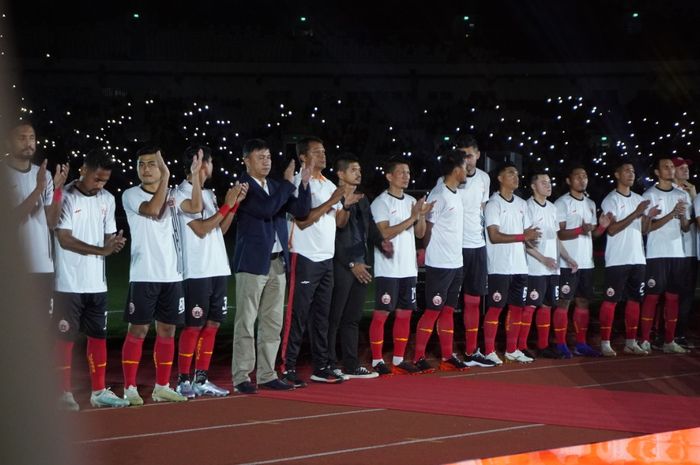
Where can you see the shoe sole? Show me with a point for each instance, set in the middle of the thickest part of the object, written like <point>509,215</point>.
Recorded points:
<point>452,368</point>
<point>211,394</point>
<point>163,399</point>
<point>367,376</point>
<point>479,364</point>
<point>134,402</point>
<point>99,405</point>
<point>326,381</point>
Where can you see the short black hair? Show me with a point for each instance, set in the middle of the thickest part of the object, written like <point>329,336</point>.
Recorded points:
<point>391,164</point>
<point>251,145</point>
<point>98,158</point>
<point>537,172</point>
<point>189,154</point>
<point>450,160</point>
<point>464,141</point>
<point>573,167</point>
<point>303,145</point>
<point>147,150</point>
<point>16,124</point>
<point>622,162</point>
<point>657,161</point>
<point>344,161</point>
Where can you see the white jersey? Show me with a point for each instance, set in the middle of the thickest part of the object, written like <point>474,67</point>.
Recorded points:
<point>627,246</point>
<point>545,218</point>
<point>511,217</point>
<point>395,210</point>
<point>202,257</point>
<point>574,213</point>
<point>445,247</point>
<point>474,193</point>
<point>667,241</point>
<point>154,256</point>
<point>34,234</point>
<point>90,218</point>
<point>316,242</point>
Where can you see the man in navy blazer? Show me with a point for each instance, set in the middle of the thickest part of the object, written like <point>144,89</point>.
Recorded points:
<point>260,260</point>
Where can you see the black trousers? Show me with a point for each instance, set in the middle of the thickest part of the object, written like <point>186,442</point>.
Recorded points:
<point>346,311</point>
<point>687,296</point>
<point>313,286</point>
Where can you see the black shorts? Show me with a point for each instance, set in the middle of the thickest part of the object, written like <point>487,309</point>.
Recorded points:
<point>206,299</point>
<point>475,274</point>
<point>393,293</point>
<point>666,275</point>
<point>147,302</point>
<point>689,277</point>
<point>579,284</point>
<point>506,289</point>
<point>442,287</point>
<point>542,290</point>
<point>45,283</point>
<point>624,282</point>
<point>84,313</point>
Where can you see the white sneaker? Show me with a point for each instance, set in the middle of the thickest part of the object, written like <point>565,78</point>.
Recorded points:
<point>67,402</point>
<point>517,356</point>
<point>645,346</point>
<point>166,394</point>
<point>106,398</point>
<point>634,349</point>
<point>494,358</point>
<point>606,350</point>
<point>674,348</point>
<point>338,372</point>
<point>132,395</point>
<point>207,388</point>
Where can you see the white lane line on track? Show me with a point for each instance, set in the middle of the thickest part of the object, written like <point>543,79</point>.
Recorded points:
<point>231,425</point>
<point>627,381</point>
<point>393,444</point>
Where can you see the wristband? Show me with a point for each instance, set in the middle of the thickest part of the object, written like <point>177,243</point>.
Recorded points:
<point>578,231</point>
<point>57,195</point>
<point>520,237</point>
<point>600,229</point>
<point>223,211</point>
<point>234,208</point>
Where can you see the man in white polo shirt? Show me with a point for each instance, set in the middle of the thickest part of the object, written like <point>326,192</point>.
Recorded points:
<point>85,234</point>
<point>312,245</point>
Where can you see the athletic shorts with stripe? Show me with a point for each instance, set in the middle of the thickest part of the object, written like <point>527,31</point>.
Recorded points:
<point>393,293</point>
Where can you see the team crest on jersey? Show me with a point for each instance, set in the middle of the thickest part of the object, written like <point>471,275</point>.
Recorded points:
<point>534,295</point>
<point>437,300</point>
<point>386,298</point>
<point>651,283</point>
<point>565,289</point>
<point>496,297</point>
<point>103,209</point>
<point>63,326</point>
<point>132,308</point>
<point>197,312</point>
<point>610,292</point>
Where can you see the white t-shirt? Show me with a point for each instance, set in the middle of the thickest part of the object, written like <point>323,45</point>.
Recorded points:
<point>627,246</point>
<point>445,247</point>
<point>395,210</point>
<point>90,218</point>
<point>511,217</point>
<point>667,241</point>
<point>474,193</point>
<point>202,257</point>
<point>34,234</point>
<point>545,218</point>
<point>574,213</point>
<point>316,242</point>
<point>154,257</point>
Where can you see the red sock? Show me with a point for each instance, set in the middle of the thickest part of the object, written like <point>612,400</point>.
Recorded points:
<point>205,347</point>
<point>64,360</point>
<point>671,316</point>
<point>648,311</point>
<point>560,321</point>
<point>490,329</point>
<point>163,353</point>
<point>446,331</point>
<point>631,319</point>
<point>97,361</point>
<point>542,320</point>
<point>423,331</point>
<point>376,333</point>
<point>581,317</point>
<point>131,357</point>
<point>402,328</point>
<point>185,348</point>
<point>471,321</point>
<point>606,317</point>
<point>525,323</point>
<point>513,327</point>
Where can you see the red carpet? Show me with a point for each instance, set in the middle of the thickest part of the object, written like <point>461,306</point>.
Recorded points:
<point>553,405</point>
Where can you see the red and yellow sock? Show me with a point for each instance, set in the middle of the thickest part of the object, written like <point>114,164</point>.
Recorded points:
<point>424,330</point>
<point>401,331</point>
<point>490,329</point>
<point>97,362</point>
<point>131,357</point>
<point>606,317</point>
<point>205,347</point>
<point>163,353</point>
<point>446,331</point>
<point>376,333</point>
<point>581,317</point>
<point>542,320</point>
<point>64,362</point>
<point>471,321</point>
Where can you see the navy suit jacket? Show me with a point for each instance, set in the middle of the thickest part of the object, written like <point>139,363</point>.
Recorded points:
<point>260,216</point>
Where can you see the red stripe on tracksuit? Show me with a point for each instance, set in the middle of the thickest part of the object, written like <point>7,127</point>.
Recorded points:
<point>288,314</point>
